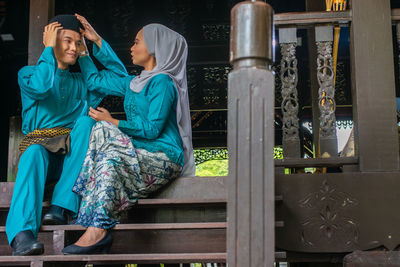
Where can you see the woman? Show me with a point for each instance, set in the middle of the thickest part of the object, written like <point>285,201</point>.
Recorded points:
<point>127,160</point>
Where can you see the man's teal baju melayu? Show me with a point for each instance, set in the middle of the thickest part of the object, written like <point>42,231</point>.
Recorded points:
<point>51,97</point>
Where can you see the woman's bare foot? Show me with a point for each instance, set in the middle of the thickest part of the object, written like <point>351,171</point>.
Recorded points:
<point>91,237</point>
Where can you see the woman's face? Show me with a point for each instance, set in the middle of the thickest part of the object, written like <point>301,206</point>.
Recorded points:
<point>140,54</point>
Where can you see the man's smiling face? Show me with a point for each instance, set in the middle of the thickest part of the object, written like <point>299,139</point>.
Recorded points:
<point>67,48</point>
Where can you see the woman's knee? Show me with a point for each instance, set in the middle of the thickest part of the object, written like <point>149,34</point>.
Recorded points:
<point>106,127</point>
<point>105,124</point>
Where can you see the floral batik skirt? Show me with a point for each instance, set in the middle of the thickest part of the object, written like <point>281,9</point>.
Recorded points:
<point>115,174</point>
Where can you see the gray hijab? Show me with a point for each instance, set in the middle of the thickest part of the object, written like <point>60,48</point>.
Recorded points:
<point>170,51</point>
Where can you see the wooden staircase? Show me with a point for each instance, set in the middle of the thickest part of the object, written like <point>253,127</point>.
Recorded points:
<point>184,223</point>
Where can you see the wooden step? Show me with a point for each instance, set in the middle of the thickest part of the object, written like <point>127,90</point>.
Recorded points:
<point>5,204</point>
<point>144,226</point>
<point>210,190</point>
<point>116,258</point>
<point>157,202</point>
<point>183,201</point>
<point>315,162</point>
<point>183,190</point>
<point>148,238</point>
<point>209,237</point>
<point>37,261</point>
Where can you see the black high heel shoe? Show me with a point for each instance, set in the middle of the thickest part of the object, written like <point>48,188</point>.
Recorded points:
<point>101,247</point>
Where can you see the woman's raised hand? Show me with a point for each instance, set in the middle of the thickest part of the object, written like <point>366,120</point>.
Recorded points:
<point>89,31</point>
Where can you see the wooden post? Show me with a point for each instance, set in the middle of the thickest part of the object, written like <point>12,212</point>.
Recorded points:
<point>37,263</point>
<point>251,211</point>
<point>14,140</point>
<point>40,12</point>
<point>314,5</point>
<point>373,86</point>
<point>58,241</point>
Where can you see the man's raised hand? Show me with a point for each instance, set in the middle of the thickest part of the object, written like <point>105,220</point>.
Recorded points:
<point>50,34</point>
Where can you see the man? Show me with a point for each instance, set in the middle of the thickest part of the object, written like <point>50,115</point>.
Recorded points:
<point>54,101</point>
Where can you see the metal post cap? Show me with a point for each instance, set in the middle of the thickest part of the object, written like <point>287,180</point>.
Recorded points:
<point>252,32</point>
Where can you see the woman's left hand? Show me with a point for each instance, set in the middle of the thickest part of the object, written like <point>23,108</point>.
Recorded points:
<point>89,31</point>
<point>102,114</point>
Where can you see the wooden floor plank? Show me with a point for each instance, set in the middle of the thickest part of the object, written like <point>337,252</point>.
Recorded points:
<point>315,162</point>
<point>158,201</point>
<point>137,226</point>
<point>127,258</point>
<point>121,258</point>
<point>147,202</point>
<point>143,226</point>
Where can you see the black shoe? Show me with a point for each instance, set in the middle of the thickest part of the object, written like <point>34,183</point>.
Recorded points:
<point>25,244</point>
<point>55,216</point>
<point>101,247</point>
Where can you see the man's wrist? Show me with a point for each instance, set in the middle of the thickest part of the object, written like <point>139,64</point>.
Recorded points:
<point>49,45</point>
<point>84,53</point>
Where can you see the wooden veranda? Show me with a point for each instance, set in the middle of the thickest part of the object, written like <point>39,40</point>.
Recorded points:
<point>260,214</point>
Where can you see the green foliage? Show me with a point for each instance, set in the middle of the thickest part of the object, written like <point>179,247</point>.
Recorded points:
<point>278,153</point>
<point>220,167</point>
<point>213,168</point>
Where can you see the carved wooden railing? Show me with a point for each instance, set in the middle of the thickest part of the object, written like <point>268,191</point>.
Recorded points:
<point>322,24</point>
